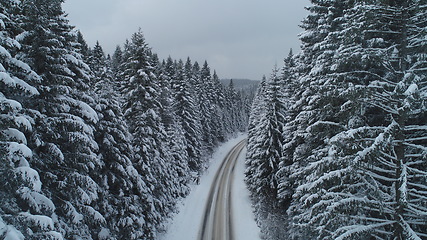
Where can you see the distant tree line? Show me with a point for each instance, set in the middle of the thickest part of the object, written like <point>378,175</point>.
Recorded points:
<point>337,144</point>
<point>99,147</point>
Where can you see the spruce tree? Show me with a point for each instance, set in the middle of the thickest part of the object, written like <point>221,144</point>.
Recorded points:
<point>357,186</point>
<point>218,100</point>
<point>351,166</point>
<point>25,211</point>
<point>262,163</point>
<point>206,106</point>
<point>166,73</point>
<point>141,109</point>
<point>65,150</point>
<point>188,116</point>
<point>121,184</point>
<point>285,174</point>
<point>116,59</point>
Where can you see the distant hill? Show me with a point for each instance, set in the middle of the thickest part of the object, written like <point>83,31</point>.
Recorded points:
<point>241,84</point>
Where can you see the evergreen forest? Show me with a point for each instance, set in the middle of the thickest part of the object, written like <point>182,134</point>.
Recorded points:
<point>337,145</point>
<point>103,146</point>
<point>99,146</point>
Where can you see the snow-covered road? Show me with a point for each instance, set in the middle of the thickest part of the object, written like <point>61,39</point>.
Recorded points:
<point>188,223</point>
<point>218,216</point>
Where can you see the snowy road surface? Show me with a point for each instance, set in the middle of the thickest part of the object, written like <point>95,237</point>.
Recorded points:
<point>219,208</point>
<point>217,222</point>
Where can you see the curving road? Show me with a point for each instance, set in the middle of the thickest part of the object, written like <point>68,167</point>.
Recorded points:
<point>217,219</point>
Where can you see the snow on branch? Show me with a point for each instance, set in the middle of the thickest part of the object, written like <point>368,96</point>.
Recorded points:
<point>325,123</point>
<point>17,83</point>
<point>408,231</point>
<point>31,176</point>
<point>354,231</point>
<point>9,232</point>
<point>403,182</point>
<point>36,200</point>
<point>43,222</point>
<point>379,142</point>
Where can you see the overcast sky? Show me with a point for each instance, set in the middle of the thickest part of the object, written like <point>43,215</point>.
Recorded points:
<point>238,38</point>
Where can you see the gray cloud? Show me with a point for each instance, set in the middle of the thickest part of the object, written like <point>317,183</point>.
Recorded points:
<point>239,38</point>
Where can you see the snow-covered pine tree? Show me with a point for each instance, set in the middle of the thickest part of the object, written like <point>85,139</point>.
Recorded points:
<point>182,174</point>
<point>393,160</point>
<point>258,105</point>
<point>121,185</point>
<point>315,100</point>
<point>244,100</point>
<point>312,104</point>
<point>369,184</point>
<point>177,143</point>
<point>96,59</point>
<point>312,101</point>
<point>141,109</point>
<point>168,190</point>
<point>257,110</point>
<point>207,109</point>
<point>219,100</point>
<point>136,81</point>
<point>84,48</point>
<point>192,72</point>
<point>319,118</point>
<point>235,109</point>
<point>166,75</point>
<point>116,60</point>
<point>262,163</point>
<point>230,109</point>
<point>25,212</point>
<point>65,150</point>
<point>289,77</point>
<point>187,114</point>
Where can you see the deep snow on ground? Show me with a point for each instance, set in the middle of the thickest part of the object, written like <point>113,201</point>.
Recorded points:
<point>186,224</point>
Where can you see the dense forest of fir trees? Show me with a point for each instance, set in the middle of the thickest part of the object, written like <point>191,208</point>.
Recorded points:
<point>99,147</point>
<point>337,144</point>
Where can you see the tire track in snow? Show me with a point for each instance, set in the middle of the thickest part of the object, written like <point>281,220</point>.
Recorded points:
<point>217,221</point>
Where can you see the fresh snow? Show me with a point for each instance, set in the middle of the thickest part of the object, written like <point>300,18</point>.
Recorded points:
<point>55,235</point>
<point>13,134</point>
<point>4,52</point>
<point>21,121</point>
<point>72,59</point>
<point>9,232</point>
<point>104,234</point>
<point>186,224</point>
<point>411,89</point>
<point>41,221</point>
<point>2,26</point>
<point>19,149</point>
<point>36,200</point>
<point>16,82</point>
<point>31,176</point>
<point>12,104</point>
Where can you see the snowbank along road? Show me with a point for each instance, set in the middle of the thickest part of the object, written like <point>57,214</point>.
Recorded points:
<point>217,221</point>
